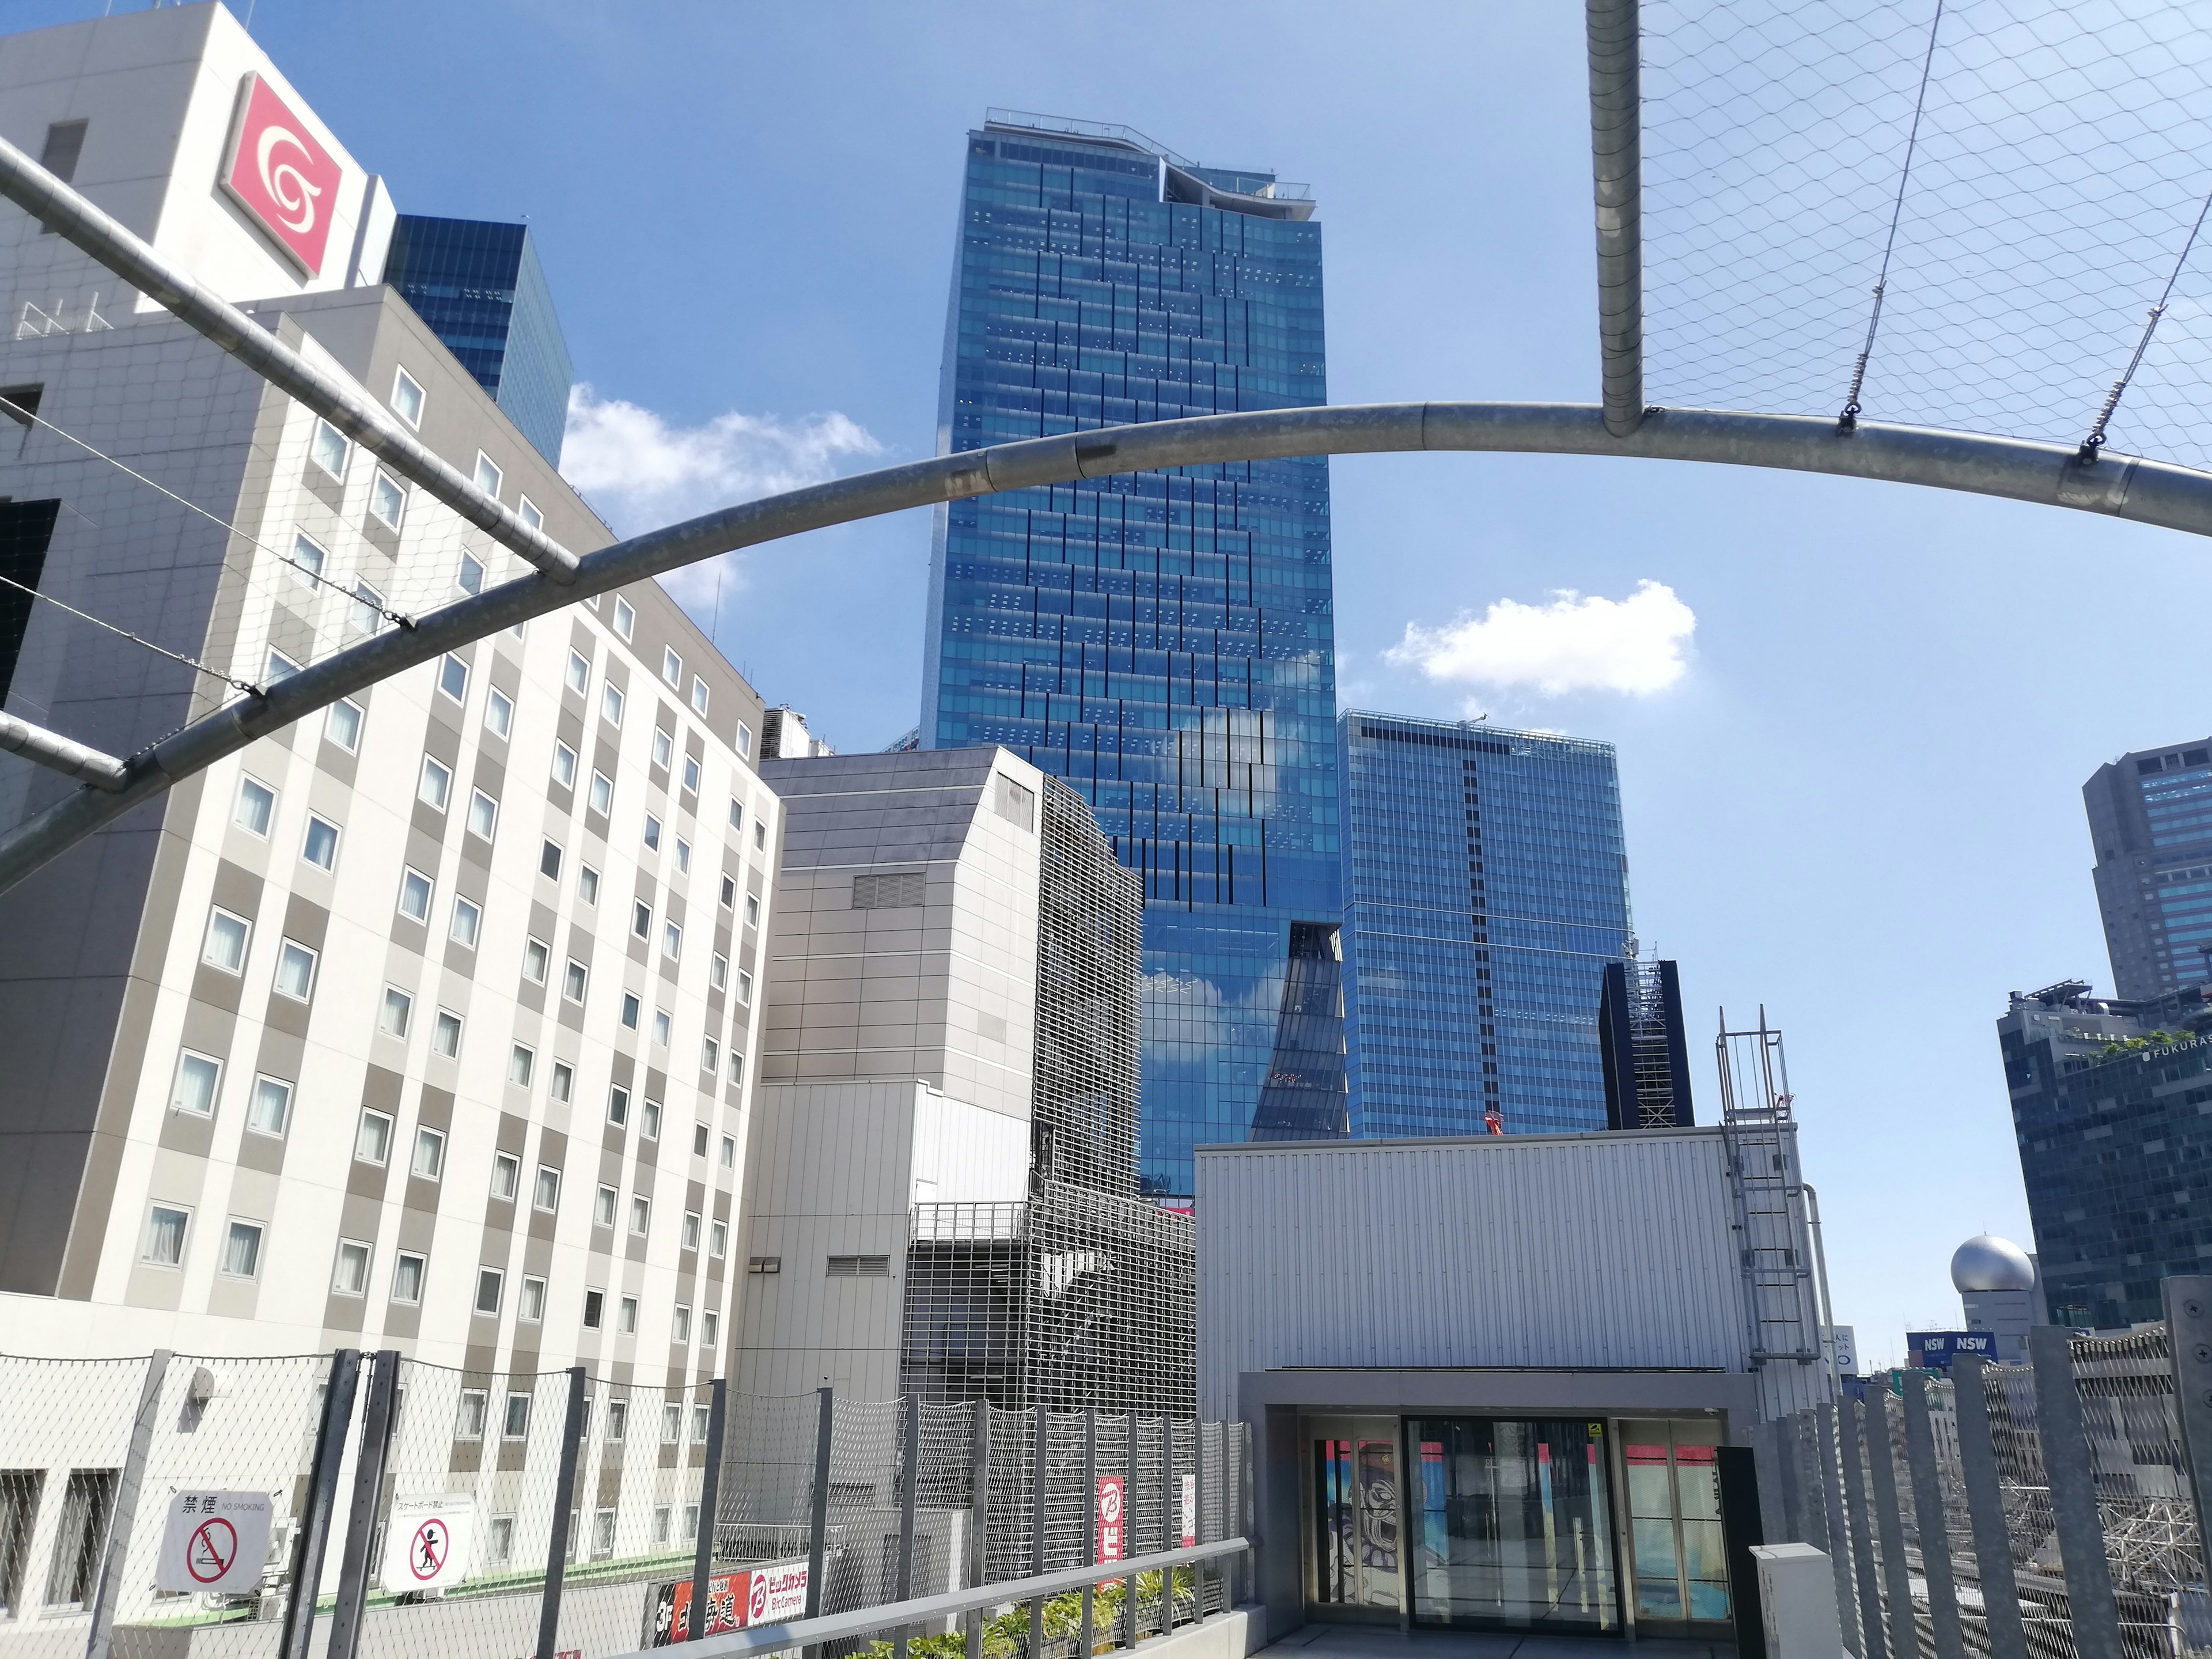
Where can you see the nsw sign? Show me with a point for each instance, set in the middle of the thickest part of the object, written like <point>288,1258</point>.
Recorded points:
<point>214,1542</point>
<point>426,1542</point>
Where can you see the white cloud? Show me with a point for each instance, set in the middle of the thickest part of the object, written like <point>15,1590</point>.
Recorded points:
<point>1576,642</point>
<point>641,473</point>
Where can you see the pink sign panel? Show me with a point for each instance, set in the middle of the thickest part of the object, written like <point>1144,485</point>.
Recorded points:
<point>280,176</point>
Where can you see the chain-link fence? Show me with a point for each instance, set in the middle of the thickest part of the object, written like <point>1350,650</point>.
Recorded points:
<point>2036,1511</point>
<point>172,1508</point>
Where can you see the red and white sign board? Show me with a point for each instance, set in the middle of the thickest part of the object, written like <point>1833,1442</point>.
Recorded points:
<point>1189,1510</point>
<point>214,1542</point>
<point>287,183</point>
<point>1113,1524</point>
<point>426,1542</point>
<point>777,1594</point>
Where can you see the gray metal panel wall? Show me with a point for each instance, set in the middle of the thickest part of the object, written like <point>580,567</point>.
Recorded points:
<point>1600,1250</point>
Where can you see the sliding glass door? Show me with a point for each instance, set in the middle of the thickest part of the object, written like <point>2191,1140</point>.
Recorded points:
<point>1513,1525</point>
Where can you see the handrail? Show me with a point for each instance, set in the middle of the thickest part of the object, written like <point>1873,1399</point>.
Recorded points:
<point>923,1609</point>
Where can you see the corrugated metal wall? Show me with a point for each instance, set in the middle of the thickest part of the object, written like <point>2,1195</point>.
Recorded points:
<point>1538,1251</point>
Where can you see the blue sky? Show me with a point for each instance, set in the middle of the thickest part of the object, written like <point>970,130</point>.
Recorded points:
<point>1857,804</point>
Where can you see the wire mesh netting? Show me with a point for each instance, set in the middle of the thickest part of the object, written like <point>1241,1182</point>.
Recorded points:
<point>2045,188</point>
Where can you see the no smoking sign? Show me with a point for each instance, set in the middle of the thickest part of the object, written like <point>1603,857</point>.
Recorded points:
<point>214,1542</point>
<point>425,1543</point>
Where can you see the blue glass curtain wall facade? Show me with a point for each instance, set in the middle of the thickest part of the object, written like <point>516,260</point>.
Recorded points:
<point>480,288</point>
<point>1485,891</point>
<point>1162,642</point>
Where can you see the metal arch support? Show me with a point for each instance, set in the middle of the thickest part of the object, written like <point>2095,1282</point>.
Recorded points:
<point>68,213</point>
<point>1617,171</point>
<point>50,749</point>
<point>2146,492</point>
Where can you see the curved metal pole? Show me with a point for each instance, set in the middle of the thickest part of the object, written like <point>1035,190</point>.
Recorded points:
<point>2147,492</point>
<point>1617,171</point>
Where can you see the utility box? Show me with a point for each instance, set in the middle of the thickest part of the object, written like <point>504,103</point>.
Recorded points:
<point>1798,1601</point>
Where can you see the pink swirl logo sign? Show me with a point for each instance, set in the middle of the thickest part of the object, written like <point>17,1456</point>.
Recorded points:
<point>280,176</point>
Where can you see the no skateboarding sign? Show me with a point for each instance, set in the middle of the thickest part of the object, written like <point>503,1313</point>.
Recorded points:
<point>425,1543</point>
<point>214,1542</point>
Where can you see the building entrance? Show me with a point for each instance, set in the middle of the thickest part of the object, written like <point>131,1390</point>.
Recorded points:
<point>1675,1528</point>
<point>1513,1527</point>
<point>1355,1518</point>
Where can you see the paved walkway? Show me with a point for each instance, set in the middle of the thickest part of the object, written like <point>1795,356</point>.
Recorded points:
<point>1381,1641</point>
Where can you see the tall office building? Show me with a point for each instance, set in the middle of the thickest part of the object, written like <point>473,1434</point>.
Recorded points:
<point>479,286</point>
<point>1486,893</point>
<point>1163,642</point>
<point>2108,1099</point>
<point>2150,821</point>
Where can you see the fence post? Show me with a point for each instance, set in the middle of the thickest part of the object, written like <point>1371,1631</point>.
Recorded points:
<point>910,1478</point>
<point>1198,1516</point>
<point>1977,1466</point>
<point>817,1541</point>
<point>1839,1532</point>
<point>2071,1469</point>
<point>1040,1490</point>
<point>1171,1533</point>
<point>377,1419</point>
<point>1889,1518</point>
<point>122,1518</point>
<point>1127,1621</point>
<point>1932,1522</point>
<point>1856,1517</point>
<point>314,1537</point>
<point>1812,1495</point>
<point>2189,1351</point>
<point>710,1498</point>
<point>564,1502</point>
<point>979,1527</point>
<point>1090,1530</point>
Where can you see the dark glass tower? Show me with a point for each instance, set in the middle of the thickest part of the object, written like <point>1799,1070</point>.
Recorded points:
<point>2150,821</point>
<point>1163,642</point>
<point>1485,886</point>
<point>480,288</point>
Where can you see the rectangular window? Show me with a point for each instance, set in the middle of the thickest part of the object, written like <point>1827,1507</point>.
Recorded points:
<point>257,804</point>
<point>489,477</point>
<point>595,1309</point>
<point>588,884</point>
<point>505,1177</point>
<point>490,1281</point>
<point>699,1426</point>
<point>641,1214</point>
<point>415,891</point>
<point>548,859</point>
<point>745,740</point>
<point>398,1011</point>
<point>710,1055</point>
<point>690,1230</point>
<point>198,1077</point>
<point>454,677</point>
<point>531,1308</point>
<point>281,667</point>
<point>729,892</point>
<point>1017,803</point>
<point>307,558</point>
<point>468,920</point>
<point>319,845</point>
<point>900,891</point>
<point>469,577</point>
<point>527,510</point>
<point>484,815</point>
<point>718,973</point>
<point>86,1502</point>
<point>446,1035</point>
<point>499,711</point>
<point>165,1226</point>
<point>618,1104</point>
<point>737,1066</point>
<point>227,935</point>
<point>699,1138</point>
<point>631,1008</point>
<point>521,1061</point>
<point>372,1141</point>
<point>649,1120</point>
<point>579,675</point>
<point>602,1207</point>
<point>547,1197</point>
<point>603,1535</point>
<point>407,397</point>
<point>664,748</point>
<point>690,775</point>
<point>710,1328</point>
<point>409,1270</point>
<point>682,856</point>
<point>737,813</point>
<point>295,970</point>
<point>603,793</point>
<point>745,987</point>
<point>858,1267</point>
<point>342,725</point>
<point>517,1426</point>
<point>660,1027</point>
<point>572,985</point>
<point>729,1151</point>
<point>752,909</point>
<point>564,1082</point>
<point>699,696</point>
<point>651,833</point>
<point>271,1107</point>
<point>350,1273</point>
<point>625,618</point>
<point>618,1421</point>
<point>537,960</point>
<point>671,941</point>
<point>672,666</point>
<point>328,449</point>
<point>500,1545</point>
<point>641,919</point>
<point>760,835</point>
<point>469,1423</point>
<point>664,1522</point>
<point>680,1329</point>
<point>627,1316</point>
<point>671,1423</point>
<point>436,785</point>
<point>611,705</point>
<point>366,614</point>
<point>430,1155</point>
<point>387,502</point>
<point>718,1239</point>
<point>564,765</point>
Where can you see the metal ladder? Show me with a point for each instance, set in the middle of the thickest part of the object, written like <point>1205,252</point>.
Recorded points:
<point>1773,1247</point>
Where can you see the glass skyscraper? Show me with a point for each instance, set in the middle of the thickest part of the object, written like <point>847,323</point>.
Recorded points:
<point>480,288</point>
<point>2150,820</point>
<point>1486,885</point>
<point>1163,642</point>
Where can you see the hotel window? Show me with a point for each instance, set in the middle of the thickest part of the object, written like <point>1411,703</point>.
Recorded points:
<point>682,856</point>
<point>630,1010</point>
<point>307,558</point>
<point>454,677</point>
<point>517,1426</point>
<point>489,477</point>
<point>527,510</point>
<point>475,1410</point>
<point>387,500</point>
<point>718,973</point>
<point>241,1250</point>
<point>671,941</point>
<point>564,765</point>
<point>342,725</point>
<point>281,667</point>
<point>295,970</point>
<point>641,1214</point>
<point>257,804</point>
<point>745,987</point>
<point>752,910</point>
<point>572,985</point>
<point>499,711</point>
<point>718,1239</point>
<point>319,845</point>
<point>729,1151</point>
<point>649,1120</point>
<point>603,1205</point>
<point>366,614</point>
<point>531,1308</point>
<point>680,1329</point>
<point>166,1227</point>
<point>520,1063</point>
<point>690,1230</point>
<point>710,1057</point>
<point>227,937</point>
<point>651,833</point>
<point>595,1303</point>
<point>641,919</point>
<point>505,1177</point>
<point>470,578</point>
<point>349,1272</point>
<point>699,695</point>
<point>745,740</point>
<point>270,1107</point>
<point>330,449</point>
<point>625,618</point>
<point>671,1423</point>
<point>484,814</point>
<point>547,1197</point>
<point>690,775</point>
<point>672,666</point>
<point>603,793</point>
<point>710,1328</point>
<point>618,1104</point>
<point>563,1087</point>
<point>490,1282</point>
<point>408,1269</point>
<point>468,921</point>
<point>579,672</point>
<point>548,860</point>
<point>430,1155</point>
<point>587,884</point>
<point>737,1067</point>
<point>664,748</point>
<point>446,1035</point>
<point>610,704</point>
<point>627,1325</point>
<point>661,1026</point>
<point>737,813</point>
<point>537,960</point>
<point>407,397</point>
<point>398,1011</point>
<point>198,1077</point>
<point>437,785</point>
